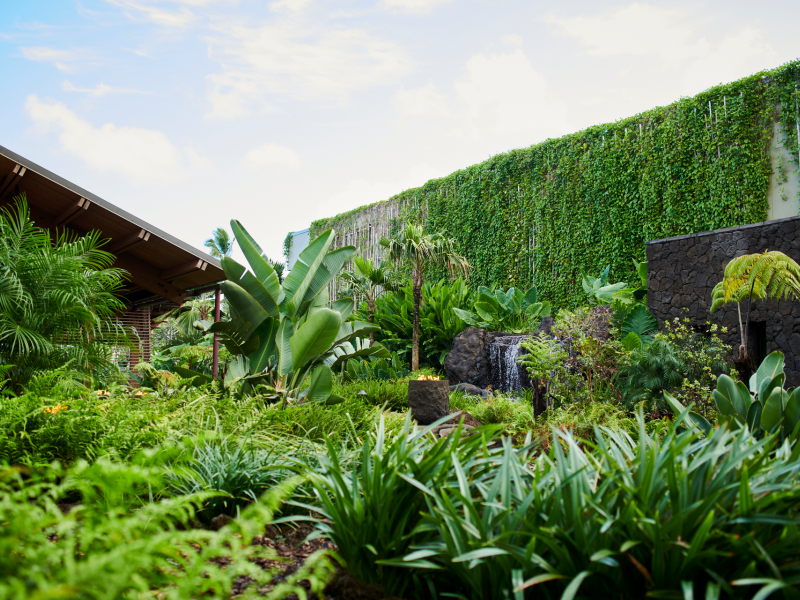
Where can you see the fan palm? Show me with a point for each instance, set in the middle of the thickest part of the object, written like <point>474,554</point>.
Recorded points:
<point>57,298</point>
<point>423,251</point>
<point>770,274</point>
<point>367,281</point>
<point>220,244</point>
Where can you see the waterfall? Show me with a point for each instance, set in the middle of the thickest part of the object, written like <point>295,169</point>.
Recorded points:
<point>503,354</point>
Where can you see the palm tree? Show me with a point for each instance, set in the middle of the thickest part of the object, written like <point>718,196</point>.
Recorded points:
<point>366,281</point>
<point>756,277</point>
<point>423,251</point>
<point>221,244</point>
<point>279,268</point>
<point>58,299</point>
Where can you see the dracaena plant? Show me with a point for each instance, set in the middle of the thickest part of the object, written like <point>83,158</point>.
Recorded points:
<point>283,334</point>
<point>513,311</point>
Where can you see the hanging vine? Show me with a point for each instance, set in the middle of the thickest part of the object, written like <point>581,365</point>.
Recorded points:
<point>541,215</point>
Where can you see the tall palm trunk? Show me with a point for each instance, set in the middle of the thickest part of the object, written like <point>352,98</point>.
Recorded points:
<point>417,279</point>
<point>371,317</point>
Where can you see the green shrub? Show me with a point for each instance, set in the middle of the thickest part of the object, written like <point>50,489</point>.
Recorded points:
<point>237,472</point>
<point>372,509</point>
<point>117,543</point>
<point>672,515</point>
<point>439,323</point>
<point>681,361</point>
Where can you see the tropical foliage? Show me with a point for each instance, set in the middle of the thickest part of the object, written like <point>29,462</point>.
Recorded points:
<point>513,311</point>
<point>220,244</point>
<point>771,274</point>
<point>283,334</point>
<point>423,251</point>
<point>765,408</point>
<point>366,281</point>
<point>439,322</point>
<point>57,299</point>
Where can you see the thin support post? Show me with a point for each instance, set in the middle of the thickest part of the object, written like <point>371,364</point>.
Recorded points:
<point>215,367</point>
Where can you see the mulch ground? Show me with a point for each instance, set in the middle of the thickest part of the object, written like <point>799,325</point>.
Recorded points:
<point>289,544</point>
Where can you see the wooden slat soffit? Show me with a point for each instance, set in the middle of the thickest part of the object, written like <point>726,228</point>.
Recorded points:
<point>73,211</point>
<point>10,180</point>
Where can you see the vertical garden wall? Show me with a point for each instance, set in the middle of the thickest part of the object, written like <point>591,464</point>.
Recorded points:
<point>544,213</point>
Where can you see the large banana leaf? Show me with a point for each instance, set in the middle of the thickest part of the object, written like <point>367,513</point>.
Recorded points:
<point>769,368</point>
<point>246,306</point>
<point>305,268</point>
<point>257,260</point>
<point>356,348</point>
<point>772,414</point>
<point>314,337</point>
<point>236,335</point>
<point>284,347</point>
<point>266,349</point>
<point>321,384</point>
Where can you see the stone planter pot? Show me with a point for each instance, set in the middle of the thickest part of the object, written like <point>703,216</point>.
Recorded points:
<point>428,400</point>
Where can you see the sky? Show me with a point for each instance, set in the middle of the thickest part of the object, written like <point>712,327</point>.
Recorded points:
<point>190,113</point>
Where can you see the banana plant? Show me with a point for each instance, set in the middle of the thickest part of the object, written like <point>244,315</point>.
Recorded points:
<point>284,334</point>
<point>764,408</point>
<point>512,311</point>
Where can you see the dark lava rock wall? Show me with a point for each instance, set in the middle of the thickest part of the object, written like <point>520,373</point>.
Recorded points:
<point>683,270</point>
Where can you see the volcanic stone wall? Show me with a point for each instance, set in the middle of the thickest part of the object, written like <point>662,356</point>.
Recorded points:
<point>682,271</point>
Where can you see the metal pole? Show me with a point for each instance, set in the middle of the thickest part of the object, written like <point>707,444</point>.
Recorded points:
<point>215,367</point>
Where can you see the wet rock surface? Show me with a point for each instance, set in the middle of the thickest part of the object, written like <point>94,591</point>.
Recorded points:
<point>468,360</point>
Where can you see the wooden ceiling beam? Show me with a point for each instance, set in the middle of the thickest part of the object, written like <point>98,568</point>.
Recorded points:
<point>11,180</point>
<point>147,276</point>
<point>128,242</point>
<point>73,211</point>
<point>196,264</point>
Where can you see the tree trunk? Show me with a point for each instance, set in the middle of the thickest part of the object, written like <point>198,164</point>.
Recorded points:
<point>371,318</point>
<point>415,334</point>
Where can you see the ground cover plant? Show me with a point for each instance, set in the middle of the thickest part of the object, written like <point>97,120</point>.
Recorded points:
<point>679,516</point>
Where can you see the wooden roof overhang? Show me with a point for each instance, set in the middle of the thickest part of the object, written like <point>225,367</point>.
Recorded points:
<point>162,268</point>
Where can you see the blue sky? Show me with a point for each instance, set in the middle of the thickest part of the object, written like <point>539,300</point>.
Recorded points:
<point>191,112</point>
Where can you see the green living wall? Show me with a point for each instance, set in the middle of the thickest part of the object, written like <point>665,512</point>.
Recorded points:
<point>544,213</point>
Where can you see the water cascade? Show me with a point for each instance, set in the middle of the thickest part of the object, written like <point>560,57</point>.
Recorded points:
<point>507,375</point>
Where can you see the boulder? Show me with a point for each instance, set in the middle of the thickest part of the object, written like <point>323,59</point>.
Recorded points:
<point>428,400</point>
<point>468,360</point>
<point>470,390</point>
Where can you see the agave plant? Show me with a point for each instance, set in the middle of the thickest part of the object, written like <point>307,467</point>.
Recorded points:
<point>512,311</point>
<point>282,335</point>
<point>764,408</point>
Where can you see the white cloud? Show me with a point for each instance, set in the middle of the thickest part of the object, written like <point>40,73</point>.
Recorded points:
<point>270,155</point>
<point>151,11</point>
<point>62,59</point>
<point>143,155</point>
<point>498,94</point>
<point>197,161</point>
<point>738,54</point>
<point>288,5</point>
<point>422,102</point>
<point>671,35</point>
<point>636,29</point>
<point>360,191</point>
<point>297,60</point>
<point>414,5</point>
<point>101,89</point>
